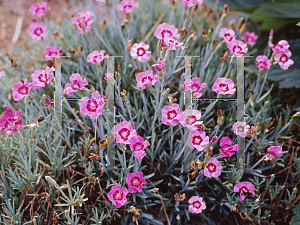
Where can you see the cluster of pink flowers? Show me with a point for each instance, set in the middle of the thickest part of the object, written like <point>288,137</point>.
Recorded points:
<point>10,122</point>
<point>97,56</point>
<point>83,19</point>
<point>52,52</point>
<point>224,86</point>
<point>125,134</point>
<point>117,194</point>
<point>235,46</point>
<point>76,84</point>
<point>282,54</point>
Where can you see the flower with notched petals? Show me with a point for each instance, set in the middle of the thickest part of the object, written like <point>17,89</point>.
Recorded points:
<point>52,52</point>
<point>146,78</point>
<point>197,139</point>
<point>21,89</point>
<point>137,143</point>
<point>194,86</point>
<point>191,3</point>
<point>126,6</point>
<point>76,84</point>
<point>283,59</point>
<point>135,182</point>
<point>166,30</point>
<point>263,62</point>
<point>227,150</point>
<point>240,128</point>
<point>10,122</point>
<point>40,77</point>
<point>237,47</point>
<point>227,34</point>
<point>92,107</point>
<point>212,168</point>
<point>282,46</point>
<point>275,152</point>
<point>196,204</point>
<point>117,195</point>
<point>97,56</point>
<point>37,30</point>
<point>160,65</point>
<point>83,19</point>
<point>249,38</point>
<point>244,187</point>
<point>123,132</point>
<point>189,117</point>
<point>170,114</point>
<point>224,86</point>
<point>140,52</point>
<point>39,9</point>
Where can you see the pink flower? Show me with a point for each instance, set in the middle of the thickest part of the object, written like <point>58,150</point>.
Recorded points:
<point>126,6</point>
<point>135,182</point>
<point>83,19</point>
<point>228,150</point>
<point>123,132</point>
<point>282,46</point>
<point>97,57</point>
<point>39,9</point>
<point>213,140</point>
<point>170,114</point>
<point>231,22</point>
<point>263,62</point>
<point>140,52</point>
<point>166,30</point>
<point>194,86</point>
<point>52,52</point>
<point>117,195</point>
<point>172,43</point>
<point>283,59</point>
<point>76,83</point>
<point>21,90</point>
<point>212,168</point>
<point>196,204</point>
<point>137,143</point>
<point>37,30</point>
<point>10,122</point>
<point>140,154</point>
<point>236,47</point>
<point>40,77</point>
<point>227,34</point>
<point>240,128</point>
<point>92,107</point>
<point>244,187</point>
<point>189,117</point>
<point>109,75</point>
<point>223,86</point>
<point>146,78</point>
<point>274,152</point>
<point>191,3</point>
<point>249,38</point>
<point>48,103</point>
<point>160,65</point>
<point>197,139</point>
<point>2,74</point>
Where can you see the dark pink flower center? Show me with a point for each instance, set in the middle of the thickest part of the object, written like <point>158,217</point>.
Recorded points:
<point>197,140</point>
<point>283,58</point>
<point>23,90</point>
<point>262,64</point>
<point>241,129</point>
<point>76,84</point>
<point>118,195</point>
<point>147,78</point>
<point>38,31</point>
<point>135,181</point>
<point>250,39</point>
<point>138,146</point>
<point>171,114</point>
<point>92,105</point>
<point>10,122</point>
<point>191,119</point>
<point>237,48</point>
<point>244,188</point>
<point>211,167</point>
<point>166,33</point>
<point>141,51</point>
<point>42,77</point>
<point>224,87</point>
<point>195,87</point>
<point>228,36</point>
<point>124,133</point>
<point>196,204</point>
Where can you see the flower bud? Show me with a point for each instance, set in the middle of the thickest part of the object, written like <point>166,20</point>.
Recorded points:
<point>166,92</point>
<point>295,190</point>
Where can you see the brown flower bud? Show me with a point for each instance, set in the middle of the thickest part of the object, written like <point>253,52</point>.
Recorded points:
<point>193,164</point>
<point>225,8</point>
<point>55,34</point>
<point>183,31</point>
<point>243,27</point>
<point>129,44</point>
<point>203,32</point>
<point>193,174</point>
<point>102,143</point>
<point>225,56</point>
<point>220,111</point>
<point>193,35</point>
<point>103,22</point>
<point>40,119</point>
<point>80,48</point>
<point>180,197</point>
<point>137,70</point>
<point>219,120</point>
<point>251,91</point>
